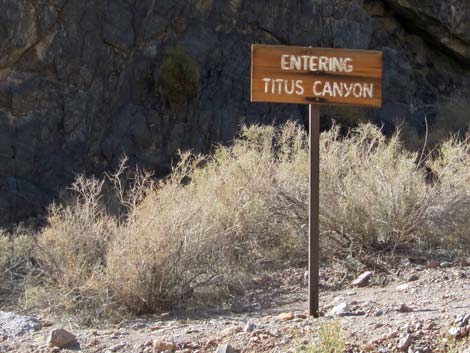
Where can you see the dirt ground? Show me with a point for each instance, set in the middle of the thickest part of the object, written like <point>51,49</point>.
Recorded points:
<point>422,301</point>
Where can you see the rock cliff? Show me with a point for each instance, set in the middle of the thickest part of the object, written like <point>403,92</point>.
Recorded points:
<point>81,81</point>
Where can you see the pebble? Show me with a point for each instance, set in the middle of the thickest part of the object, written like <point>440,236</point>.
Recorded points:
<point>363,279</point>
<point>286,316</point>
<point>445,264</point>
<point>249,327</point>
<point>163,346</point>
<point>454,332</point>
<point>226,348</point>
<point>117,347</point>
<point>403,287</point>
<point>405,343</point>
<point>378,313</point>
<point>413,277</point>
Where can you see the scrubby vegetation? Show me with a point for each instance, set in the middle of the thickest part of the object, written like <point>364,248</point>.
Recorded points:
<point>177,79</point>
<point>195,237</point>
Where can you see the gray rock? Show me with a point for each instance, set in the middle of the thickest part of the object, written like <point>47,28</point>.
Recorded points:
<point>341,309</point>
<point>13,325</point>
<point>363,279</point>
<point>226,348</point>
<point>61,338</point>
<point>445,264</point>
<point>117,347</point>
<point>249,327</point>
<point>413,277</point>
<point>405,343</point>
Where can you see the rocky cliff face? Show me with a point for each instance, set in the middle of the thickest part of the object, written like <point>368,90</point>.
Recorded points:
<point>79,79</point>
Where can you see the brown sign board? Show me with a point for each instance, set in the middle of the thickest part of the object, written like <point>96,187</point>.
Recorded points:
<point>305,75</point>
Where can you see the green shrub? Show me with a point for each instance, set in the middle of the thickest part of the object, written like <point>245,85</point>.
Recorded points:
<point>177,78</point>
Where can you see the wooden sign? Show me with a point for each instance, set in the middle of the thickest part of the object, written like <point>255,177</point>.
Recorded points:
<point>284,74</point>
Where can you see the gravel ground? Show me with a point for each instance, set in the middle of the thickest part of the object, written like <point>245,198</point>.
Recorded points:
<point>414,308</point>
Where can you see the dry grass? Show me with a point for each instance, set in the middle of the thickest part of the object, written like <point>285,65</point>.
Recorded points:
<point>196,236</point>
<point>331,339</point>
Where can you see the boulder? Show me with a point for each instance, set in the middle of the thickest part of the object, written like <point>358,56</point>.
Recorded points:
<point>61,338</point>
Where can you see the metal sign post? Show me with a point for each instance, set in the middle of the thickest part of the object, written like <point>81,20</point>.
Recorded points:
<point>314,76</point>
<point>314,212</point>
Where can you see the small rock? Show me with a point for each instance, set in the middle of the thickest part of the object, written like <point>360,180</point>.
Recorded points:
<point>226,348</point>
<point>432,264</point>
<point>363,280</point>
<point>249,327</point>
<point>413,277</point>
<point>454,332</point>
<point>341,310</point>
<point>61,338</point>
<point>403,287</point>
<point>55,350</point>
<point>445,264</point>
<point>163,346</point>
<point>368,348</point>
<point>286,316</point>
<point>117,347</point>
<point>237,307</point>
<point>405,343</point>
<point>405,309</point>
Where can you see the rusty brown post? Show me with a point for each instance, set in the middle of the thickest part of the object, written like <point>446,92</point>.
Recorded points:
<point>314,212</point>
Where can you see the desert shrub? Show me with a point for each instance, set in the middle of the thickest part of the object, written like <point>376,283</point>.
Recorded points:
<point>71,252</point>
<point>177,78</point>
<point>449,215</point>
<point>373,194</point>
<point>193,240</point>
<point>196,236</point>
<point>15,265</point>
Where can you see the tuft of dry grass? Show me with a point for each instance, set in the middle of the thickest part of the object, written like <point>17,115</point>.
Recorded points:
<point>195,237</point>
<point>330,340</point>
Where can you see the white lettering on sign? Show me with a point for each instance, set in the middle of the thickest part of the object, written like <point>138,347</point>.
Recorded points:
<point>320,88</point>
<point>343,89</point>
<point>280,86</point>
<point>316,63</point>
